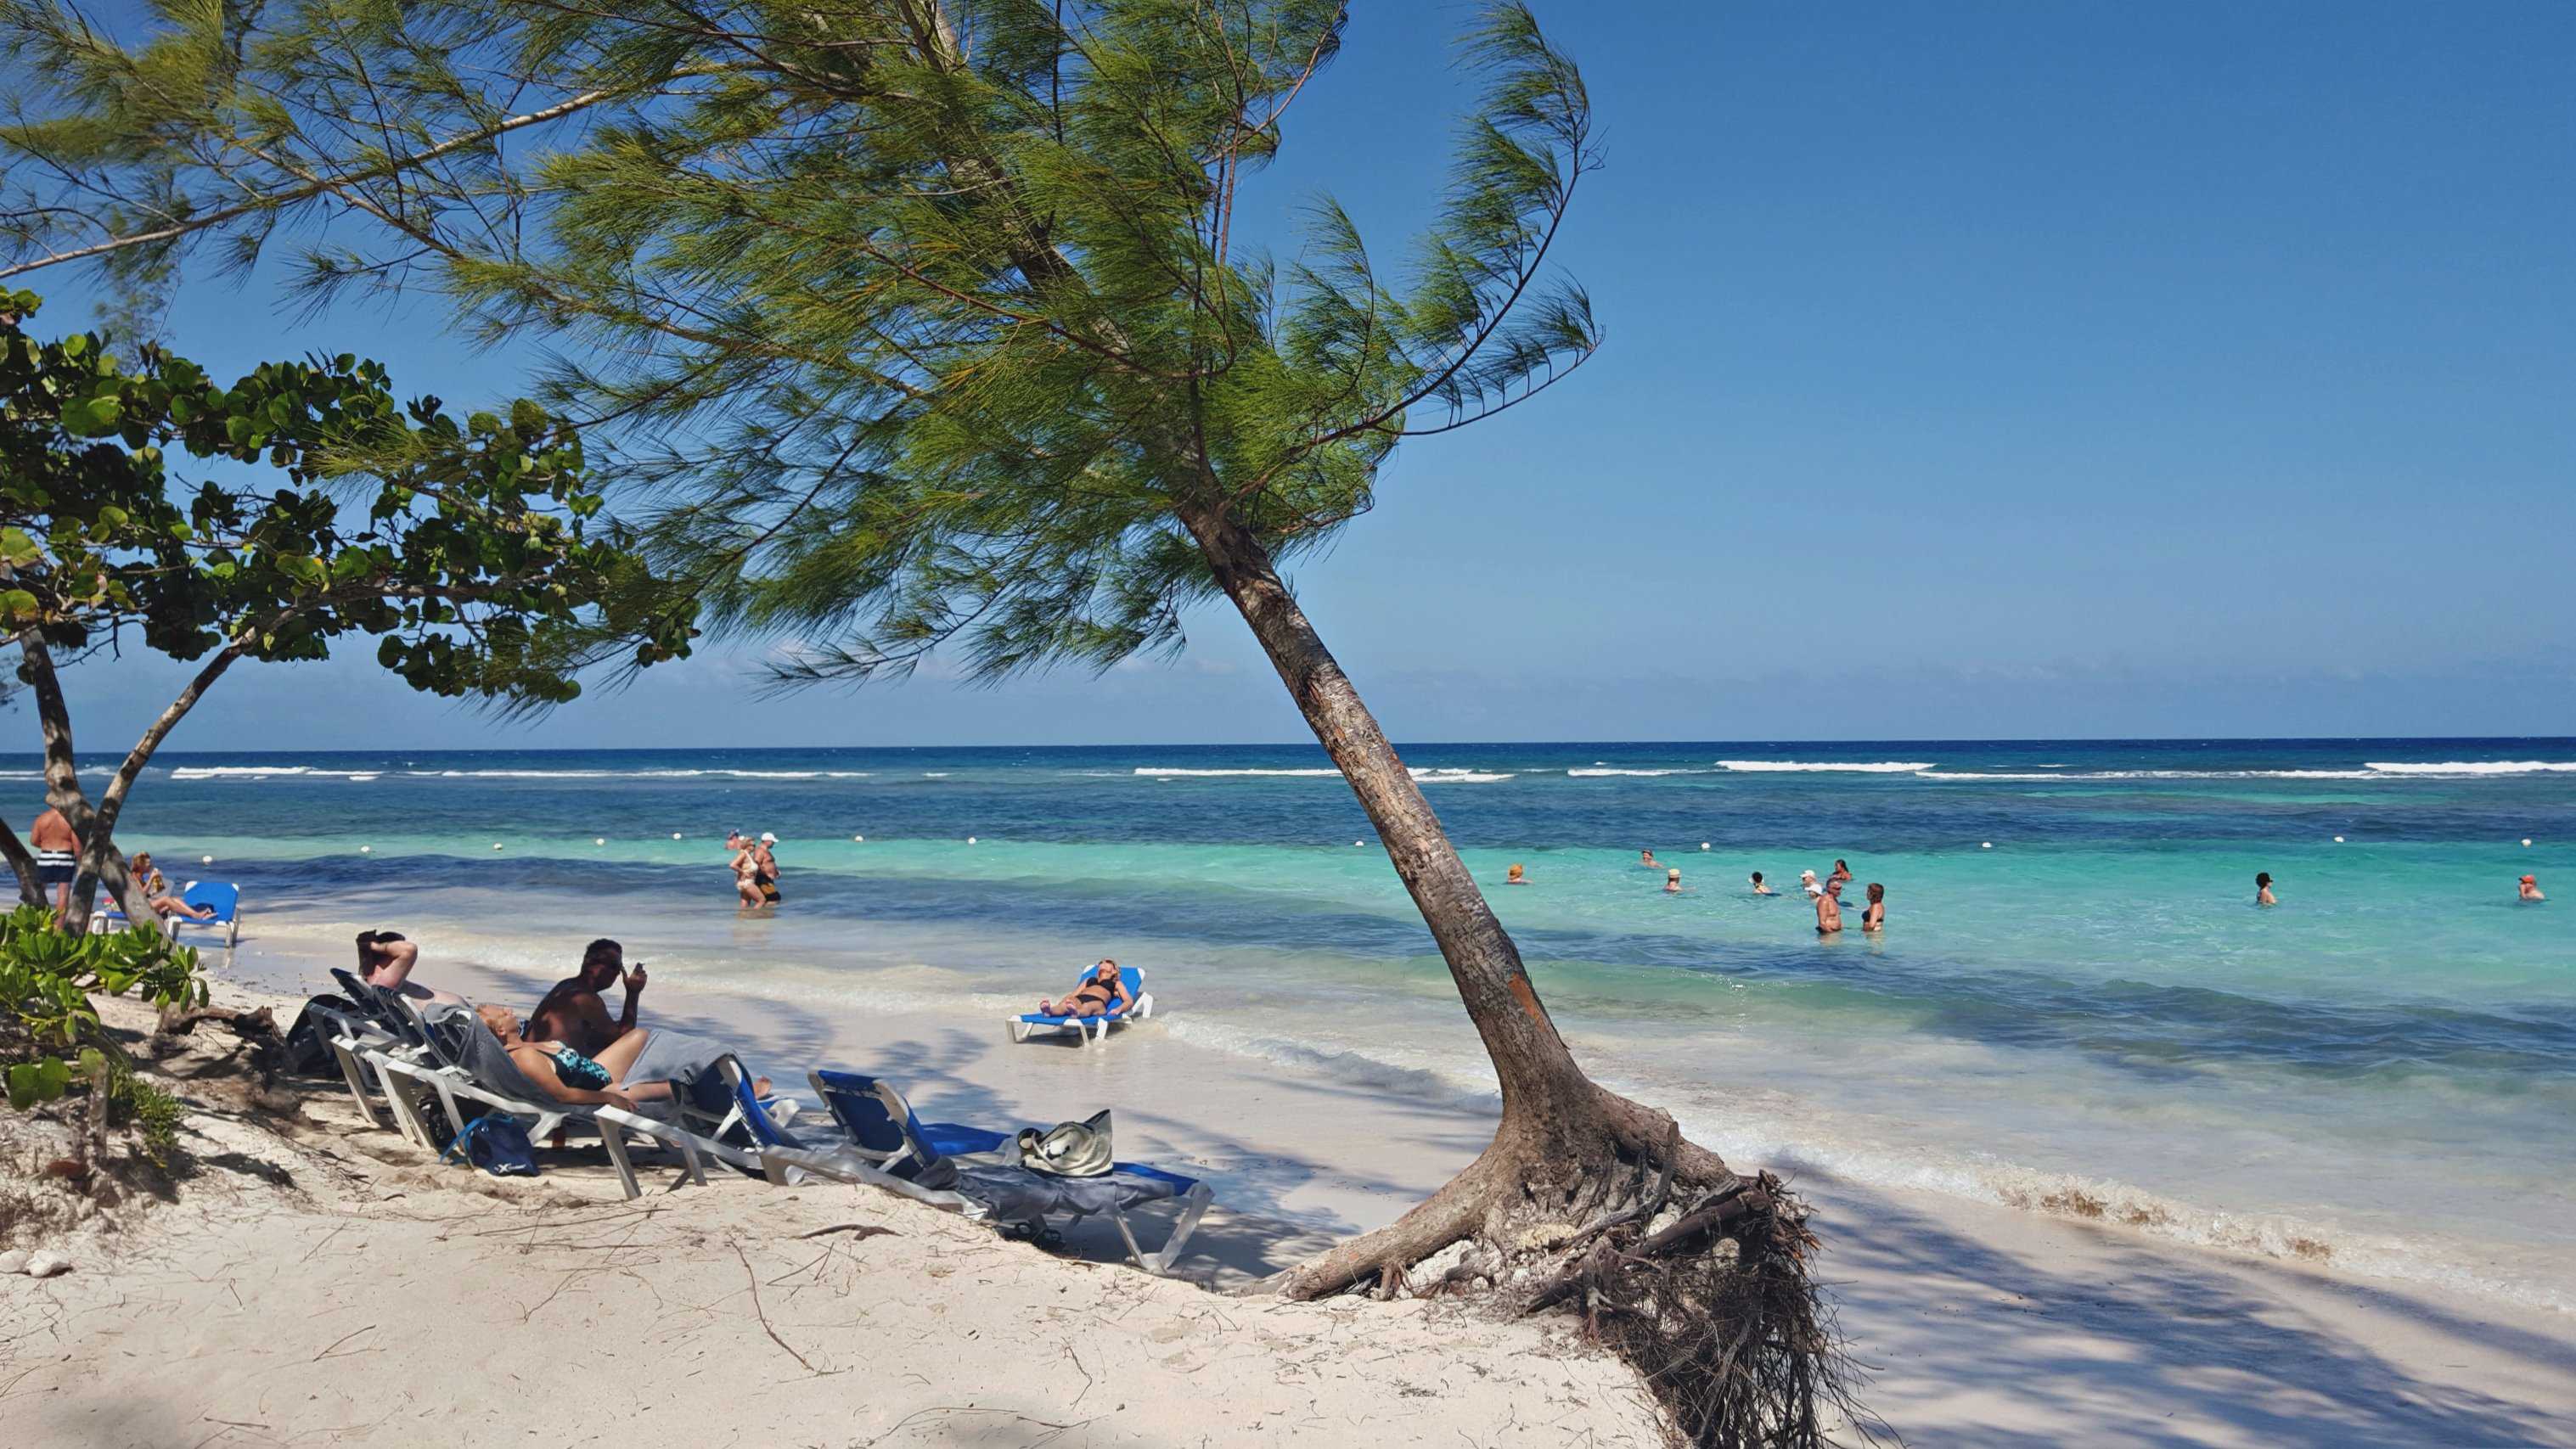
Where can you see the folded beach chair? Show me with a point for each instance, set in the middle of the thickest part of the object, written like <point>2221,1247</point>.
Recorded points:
<point>224,898</point>
<point>944,1161</point>
<point>1091,1029</point>
<point>351,1036</point>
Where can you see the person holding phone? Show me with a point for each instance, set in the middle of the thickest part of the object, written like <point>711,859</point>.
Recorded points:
<point>575,1011</point>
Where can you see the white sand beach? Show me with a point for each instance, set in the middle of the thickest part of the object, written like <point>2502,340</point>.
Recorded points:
<point>335,1288</point>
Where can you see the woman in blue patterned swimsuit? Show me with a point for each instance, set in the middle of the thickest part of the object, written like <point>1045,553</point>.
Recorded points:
<point>570,1076</point>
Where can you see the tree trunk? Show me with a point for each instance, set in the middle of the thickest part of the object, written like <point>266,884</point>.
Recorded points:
<point>1564,1141</point>
<point>21,862</point>
<point>96,826</point>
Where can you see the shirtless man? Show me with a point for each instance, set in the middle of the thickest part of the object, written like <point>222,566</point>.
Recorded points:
<point>57,857</point>
<point>574,1011</point>
<point>1829,910</point>
<point>1093,997</point>
<point>2528,889</point>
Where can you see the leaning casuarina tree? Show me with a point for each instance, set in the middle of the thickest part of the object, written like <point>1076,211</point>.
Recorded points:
<point>923,325</point>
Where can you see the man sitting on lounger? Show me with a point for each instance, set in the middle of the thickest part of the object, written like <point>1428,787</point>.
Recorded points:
<point>574,1011</point>
<point>1094,997</point>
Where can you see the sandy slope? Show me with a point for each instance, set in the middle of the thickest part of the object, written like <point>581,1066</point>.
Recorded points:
<point>332,1289</point>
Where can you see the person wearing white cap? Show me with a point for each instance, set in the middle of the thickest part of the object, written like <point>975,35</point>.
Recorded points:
<point>1807,883</point>
<point>764,862</point>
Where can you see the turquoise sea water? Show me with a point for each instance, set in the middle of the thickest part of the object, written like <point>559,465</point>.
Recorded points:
<point>2076,1005</point>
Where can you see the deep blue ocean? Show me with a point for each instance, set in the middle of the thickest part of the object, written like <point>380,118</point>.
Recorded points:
<point>2075,989</point>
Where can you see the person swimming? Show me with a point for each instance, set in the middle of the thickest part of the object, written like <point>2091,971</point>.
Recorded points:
<point>2263,889</point>
<point>1874,918</point>
<point>1807,882</point>
<point>1647,859</point>
<point>1673,881</point>
<point>1514,876</point>
<point>2528,889</point>
<point>1759,888</point>
<point>1842,874</point>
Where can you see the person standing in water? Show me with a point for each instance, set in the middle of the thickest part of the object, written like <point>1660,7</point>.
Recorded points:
<point>2263,889</point>
<point>2528,889</point>
<point>746,871</point>
<point>1842,875</point>
<point>1647,859</point>
<point>764,866</point>
<point>1759,888</point>
<point>1829,912</point>
<point>1874,918</point>
<point>1673,881</point>
<point>1514,876</point>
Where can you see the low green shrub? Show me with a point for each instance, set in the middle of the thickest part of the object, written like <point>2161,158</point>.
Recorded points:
<point>47,976</point>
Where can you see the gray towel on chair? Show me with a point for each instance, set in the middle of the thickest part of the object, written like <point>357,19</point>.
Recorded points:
<point>688,1063</point>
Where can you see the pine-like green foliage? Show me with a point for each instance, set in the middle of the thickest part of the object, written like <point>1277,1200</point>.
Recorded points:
<point>915,323</point>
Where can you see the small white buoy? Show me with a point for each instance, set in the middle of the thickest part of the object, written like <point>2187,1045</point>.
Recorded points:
<point>366,850</point>
<point>2338,840</point>
<point>599,840</point>
<point>2526,842</point>
<point>1355,844</point>
<point>675,835</point>
<point>205,860</point>
<point>496,845</point>
<point>1703,845</point>
<point>1987,845</point>
<point>970,840</point>
<point>859,839</point>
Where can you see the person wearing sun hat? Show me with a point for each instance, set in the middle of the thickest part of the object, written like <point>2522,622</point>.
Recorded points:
<point>2529,889</point>
<point>764,867</point>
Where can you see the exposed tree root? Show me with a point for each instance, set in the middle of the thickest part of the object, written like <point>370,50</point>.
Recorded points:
<point>1696,1276</point>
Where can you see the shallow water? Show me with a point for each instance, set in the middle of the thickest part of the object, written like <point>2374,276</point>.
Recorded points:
<point>2075,1004</point>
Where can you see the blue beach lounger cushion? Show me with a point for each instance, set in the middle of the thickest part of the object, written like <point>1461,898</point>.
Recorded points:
<point>1090,1030</point>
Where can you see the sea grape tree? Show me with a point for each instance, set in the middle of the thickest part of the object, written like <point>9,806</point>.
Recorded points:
<point>468,549</point>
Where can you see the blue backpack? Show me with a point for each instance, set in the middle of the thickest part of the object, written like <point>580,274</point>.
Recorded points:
<point>497,1144</point>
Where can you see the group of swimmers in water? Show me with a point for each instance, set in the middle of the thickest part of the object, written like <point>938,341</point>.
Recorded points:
<point>2526,890</point>
<point>1826,894</point>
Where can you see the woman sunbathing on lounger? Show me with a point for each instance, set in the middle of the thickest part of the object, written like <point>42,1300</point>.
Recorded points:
<point>567,1074</point>
<point>1093,997</point>
<point>156,889</point>
<point>386,959</point>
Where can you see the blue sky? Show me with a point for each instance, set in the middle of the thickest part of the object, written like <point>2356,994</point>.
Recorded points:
<point>1973,371</point>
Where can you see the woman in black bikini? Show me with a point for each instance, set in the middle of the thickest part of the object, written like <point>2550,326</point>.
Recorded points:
<point>1093,997</point>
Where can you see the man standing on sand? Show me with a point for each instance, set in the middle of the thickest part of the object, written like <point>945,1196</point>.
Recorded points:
<point>57,858</point>
<point>1829,910</point>
<point>576,1014</point>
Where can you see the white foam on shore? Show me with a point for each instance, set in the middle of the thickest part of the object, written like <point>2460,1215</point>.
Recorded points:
<point>1879,767</point>
<point>1588,774</point>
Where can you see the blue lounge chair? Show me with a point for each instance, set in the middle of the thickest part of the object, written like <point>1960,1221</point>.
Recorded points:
<point>1091,1029</point>
<point>224,898</point>
<point>980,1167</point>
